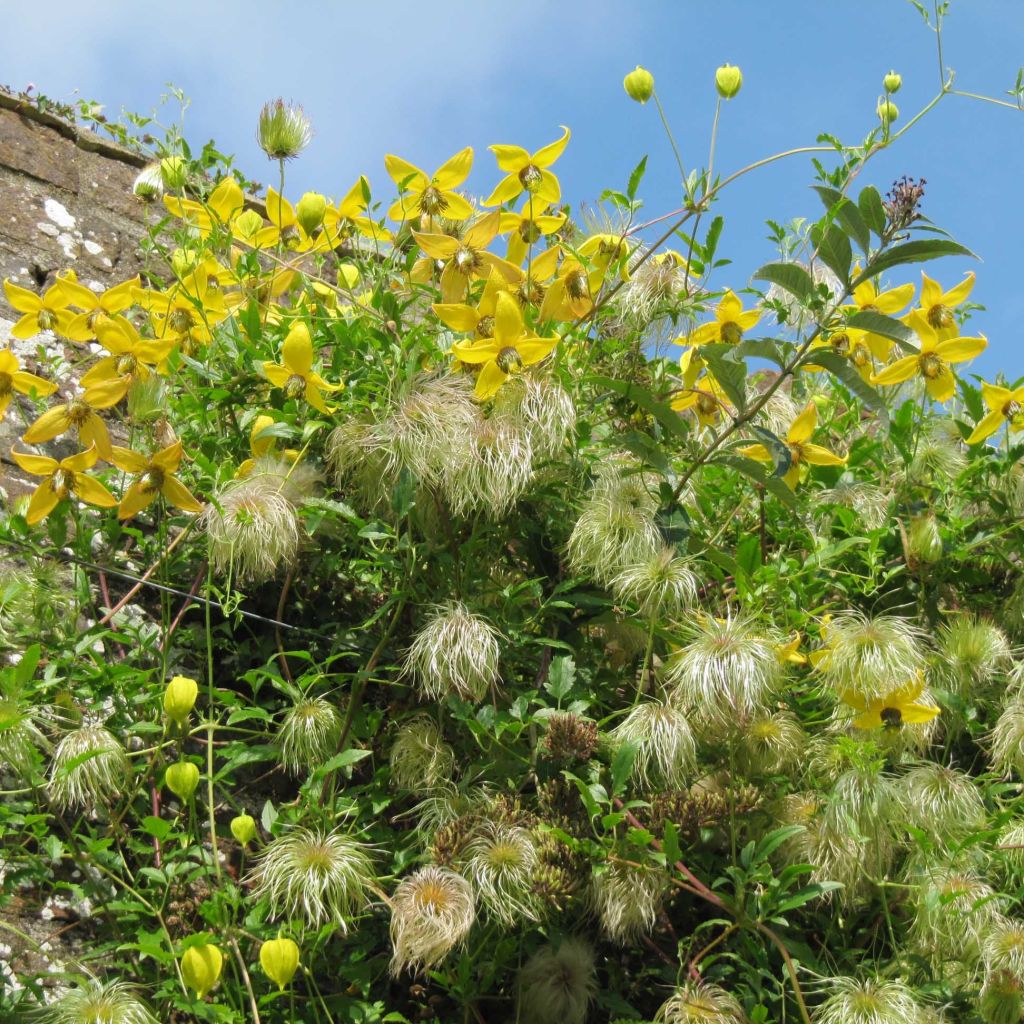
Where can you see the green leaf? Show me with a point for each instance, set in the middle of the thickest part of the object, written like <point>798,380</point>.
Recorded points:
<point>622,765</point>
<point>728,370</point>
<point>847,214</point>
<point>869,202</point>
<point>843,369</point>
<point>918,251</point>
<point>26,668</point>
<point>761,348</point>
<point>561,676</point>
<point>756,472</point>
<point>635,178</point>
<point>670,843</point>
<point>886,326</point>
<point>834,250</point>
<point>711,239</point>
<point>344,759</point>
<point>805,895</point>
<point>782,457</point>
<point>156,827</point>
<point>669,419</point>
<point>791,277</point>
<point>748,553</point>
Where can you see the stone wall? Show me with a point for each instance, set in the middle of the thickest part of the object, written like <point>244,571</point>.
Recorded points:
<point>66,202</point>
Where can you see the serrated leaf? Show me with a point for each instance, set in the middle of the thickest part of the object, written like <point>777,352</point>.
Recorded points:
<point>622,765</point>
<point>635,178</point>
<point>841,368</point>
<point>847,214</point>
<point>834,250</point>
<point>761,348</point>
<point>561,676</point>
<point>869,202</point>
<point>791,277</point>
<point>885,326</point>
<point>711,238</point>
<point>782,457</point>
<point>918,251</point>
<point>669,419</point>
<point>728,370</point>
<point>756,472</point>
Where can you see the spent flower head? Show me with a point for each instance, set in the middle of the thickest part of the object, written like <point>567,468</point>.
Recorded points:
<point>309,734</point>
<point>869,1001</point>
<point>432,911</point>
<point>700,1002</point>
<point>500,861</point>
<point>455,652</point>
<point>283,130</point>
<point>89,768</point>
<point>557,984</point>
<point>97,1002</point>
<point>420,760</point>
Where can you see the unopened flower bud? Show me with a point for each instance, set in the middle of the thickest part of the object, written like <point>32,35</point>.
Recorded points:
<point>892,82</point>
<point>182,779</point>
<point>201,966</point>
<point>283,131</point>
<point>924,542</point>
<point>149,184</point>
<point>180,698</point>
<point>348,275</point>
<point>243,828</point>
<point>279,959</point>
<point>887,111</point>
<point>639,84</point>
<point>310,210</point>
<point>1001,1001</point>
<point>174,171</point>
<point>728,80</point>
<point>184,261</point>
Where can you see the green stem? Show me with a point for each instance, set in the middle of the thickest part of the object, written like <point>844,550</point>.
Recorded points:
<point>671,138</point>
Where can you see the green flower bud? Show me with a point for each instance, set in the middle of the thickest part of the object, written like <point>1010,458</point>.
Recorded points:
<point>892,82</point>
<point>279,959</point>
<point>924,541</point>
<point>887,111</point>
<point>1000,1001</point>
<point>728,80</point>
<point>184,261</point>
<point>310,210</point>
<point>173,171</point>
<point>181,779</point>
<point>639,84</point>
<point>180,698</point>
<point>243,828</point>
<point>283,131</point>
<point>201,966</point>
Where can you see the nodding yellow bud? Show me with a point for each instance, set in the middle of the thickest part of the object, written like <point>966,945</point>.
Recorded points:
<point>184,261</point>
<point>201,966</point>
<point>279,959</point>
<point>887,111</point>
<point>243,828</point>
<point>892,82</point>
<point>180,698</point>
<point>310,210</point>
<point>173,171</point>
<point>182,779</point>
<point>728,80</point>
<point>639,84</point>
<point>348,275</point>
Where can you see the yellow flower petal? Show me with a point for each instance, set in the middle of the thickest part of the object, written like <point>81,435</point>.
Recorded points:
<point>488,382</point>
<point>454,171</point>
<point>22,299</point>
<point>958,350</point>
<point>958,293</point>
<point>505,191</point>
<point>37,465</point>
<point>818,456</point>
<point>91,491</point>
<point>803,426</point>
<point>135,499</point>
<point>297,351</point>
<point>43,501</point>
<point>511,159</point>
<point>547,155</point>
<point>179,495</point>
<point>508,321</point>
<point>896,373</point>
<point>404,173</point>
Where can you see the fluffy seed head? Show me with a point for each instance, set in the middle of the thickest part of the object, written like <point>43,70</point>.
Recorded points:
<point>557,983</point>
<point>924,541</point>
<point>1002,998</point>
<point>942,801</point>
<point>455,652</point>
<point>973,652</point>
<point>869,1001</point>
<point>492,469</point>
<point>420,759</point>
<point>542,406</point>
<point>770,744</point>
<point>20,738</point>
<point>432,911</point>
<point>500,861</point>
<point>871,657</point>
<point>96,1002</point>
<point>283,131</point>
<point>362,464</point>
<point>870,502</point>
<point>954,909</point>
<point>255,531</point>
<point>317,876</point>
<point>654,287</point>
<point>939,455</point>
<point>663,583</point>
<point>101,777</point>
<point>626,901</point>
<point>698,1002</point>
<point>729,668</point>
<point>666,753</point>
<point>1007,739</point>
<point>1003,947</point>
<point>297,481</point>
<point>308,734</point>
<point>149,183</point>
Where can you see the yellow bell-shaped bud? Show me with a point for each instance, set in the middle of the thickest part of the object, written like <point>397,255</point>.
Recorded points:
<point>310,210</point>
<point>180,698</point>
<point>201,966</point>
<point>639,84</point>
<point>279,959</point>
<point>728,80</point>
<point>243,828</point>
<point>182,779</point>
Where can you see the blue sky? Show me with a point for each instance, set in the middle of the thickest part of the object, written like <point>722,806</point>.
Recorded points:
<point>425,79</point>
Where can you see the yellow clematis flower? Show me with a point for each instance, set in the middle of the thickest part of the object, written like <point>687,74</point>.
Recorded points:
<point>14,378</point>
<point>46,312</point>
<point>730,323</point>
<point>1005,406</point>
<point>862,348</point>
<point>867,298</point>
<point>131,358</point>
<point>79,413</point>
<point>571,294</point>
<point>63,479</point>
<point>155,476</point>
<point>528,227</point>
<point>188,310</point>
<point>477,320</point>
<point>901,707</point>
<point>798,440</point>
<point>97,307</point>
<point>938,350</point>
<point>426,195</point>
<point>225,203</point>
<point>707,400</point>
<point>351,215</point>
<point>466,259</point>
<point>937,305</point>
<point>261,444</point>
<point>295,372</point>
<point>509,349</point>
<point>528,172</point>
<point>789,652</point>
